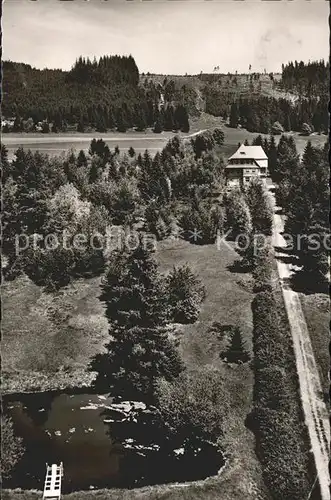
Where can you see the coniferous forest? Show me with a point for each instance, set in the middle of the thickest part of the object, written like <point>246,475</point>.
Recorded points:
<point>103,94</point>
<point>107,94</point>
<point>307,85</point>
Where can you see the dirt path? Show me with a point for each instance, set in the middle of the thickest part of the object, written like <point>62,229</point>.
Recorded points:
<point>314,408</point>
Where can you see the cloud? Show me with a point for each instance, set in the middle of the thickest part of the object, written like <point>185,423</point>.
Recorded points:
<point>166,36</point>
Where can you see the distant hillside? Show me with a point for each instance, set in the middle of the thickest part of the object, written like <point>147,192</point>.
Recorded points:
<point>110,93</point>
<point>103,94</point>
<point>257,101</point>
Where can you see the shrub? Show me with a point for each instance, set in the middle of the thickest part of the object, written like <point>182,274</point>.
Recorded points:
<point>262,271</point>
<point>185,294</point>
<point>281,451</point>
<point>12,449</point>
<point>194,407</point>
<point>201,224</point>
<point>276,418</point>
<point>271,388</point>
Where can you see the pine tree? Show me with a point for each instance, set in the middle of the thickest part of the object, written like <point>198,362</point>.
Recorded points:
<point>260,207</point>
<point>111,119</point>
<point>236,352</point>
<point>18,124</point>
<point>141,122</point>
<point>257,141</point>
<point>238,216</point>
<point>169,120</point>
<point>81,125</point>
<point>81,159</point>
<point>158,126</point>
<point>265,146</point>
<point>186,293</point>
<point>94,172</point>
<point>131,152</point>
<point>272,156</point>
<point>101,124</point>
<point>234,115</point>
<point>122,124</point>
<point>185,125</point>
<point>314,254</point>
<point>140,350</point>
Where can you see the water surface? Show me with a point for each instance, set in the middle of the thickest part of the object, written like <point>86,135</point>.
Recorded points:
<point>100,444</point>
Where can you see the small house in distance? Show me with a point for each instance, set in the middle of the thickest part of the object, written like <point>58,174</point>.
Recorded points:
<point>245,163</point>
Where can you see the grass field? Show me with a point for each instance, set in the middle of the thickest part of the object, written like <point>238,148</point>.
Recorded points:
<point>317,312</point>
<point>233,136</point>
<point>48,339</point>
<point>36,342</point>
<point>55,144</point>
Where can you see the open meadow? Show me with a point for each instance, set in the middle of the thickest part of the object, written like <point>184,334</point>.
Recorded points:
<point>56,144</point>
<point>43,353</point>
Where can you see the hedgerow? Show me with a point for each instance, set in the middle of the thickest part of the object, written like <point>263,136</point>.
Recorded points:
<point>276,418</point>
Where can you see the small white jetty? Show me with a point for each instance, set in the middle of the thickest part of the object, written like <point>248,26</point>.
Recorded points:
<point>52,488</point>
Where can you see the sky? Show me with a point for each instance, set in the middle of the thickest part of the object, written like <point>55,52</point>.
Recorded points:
<point>167,36</point>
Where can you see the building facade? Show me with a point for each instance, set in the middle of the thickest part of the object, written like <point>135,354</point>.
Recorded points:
<point>245,163</point>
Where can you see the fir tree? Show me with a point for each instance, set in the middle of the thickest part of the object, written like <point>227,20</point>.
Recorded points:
<point>234,116</point>
<point>131,152</point>
<point>81,159</point>
<point>258,200</point>
<point>140,350</point>
<point>186,293</point>
<point>257,141</point>
<point>238,217</point>
<point>272,156</point>
<point>236,352</point>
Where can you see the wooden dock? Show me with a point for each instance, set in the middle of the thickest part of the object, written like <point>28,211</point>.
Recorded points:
<point>52,488</point>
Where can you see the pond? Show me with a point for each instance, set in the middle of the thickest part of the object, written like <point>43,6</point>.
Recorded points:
<point>101,444</point>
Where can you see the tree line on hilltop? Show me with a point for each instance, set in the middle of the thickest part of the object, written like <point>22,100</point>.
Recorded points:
<point>103,94</point>
<point>308,79</point>
<point>258,113</point>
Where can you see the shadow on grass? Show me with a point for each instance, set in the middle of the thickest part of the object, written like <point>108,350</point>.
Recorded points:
<point>308,283</point>
<point>238,267</point>
<point>288,259</point>
<point>287,250</point>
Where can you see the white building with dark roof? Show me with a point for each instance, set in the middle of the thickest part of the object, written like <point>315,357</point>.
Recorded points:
<point>245,163</point>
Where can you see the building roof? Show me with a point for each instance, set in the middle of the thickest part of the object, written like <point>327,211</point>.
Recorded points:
<point>255,152</point>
